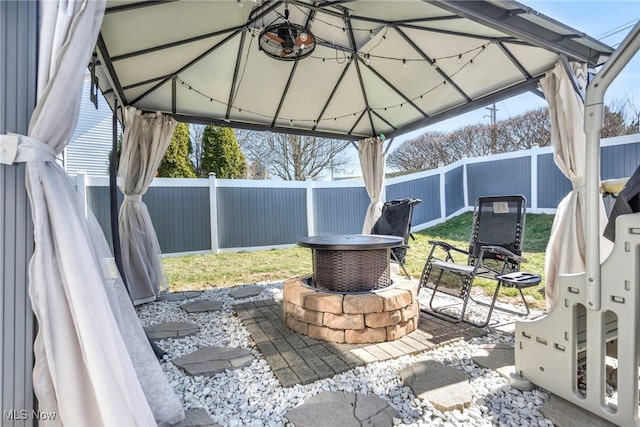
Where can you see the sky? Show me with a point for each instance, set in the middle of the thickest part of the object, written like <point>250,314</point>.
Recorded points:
<point>608,21</point>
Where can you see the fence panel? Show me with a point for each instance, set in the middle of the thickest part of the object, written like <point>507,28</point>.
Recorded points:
<point>250,217</point>
<point>254,214</point>
<point>619,161</point>
<point>552,184</point>
<point>182,216</point>
<point>454,190</point>
<point>495,177</point>
<point>426,189</point>
<point>339,210</point>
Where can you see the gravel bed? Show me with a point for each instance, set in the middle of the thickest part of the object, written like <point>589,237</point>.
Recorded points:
<point>253,396</point>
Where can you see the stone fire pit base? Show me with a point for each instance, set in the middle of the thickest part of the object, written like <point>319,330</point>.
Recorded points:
<point>373,317</point>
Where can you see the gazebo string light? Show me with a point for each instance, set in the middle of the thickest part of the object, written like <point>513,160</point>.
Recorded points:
<point>366,58</point>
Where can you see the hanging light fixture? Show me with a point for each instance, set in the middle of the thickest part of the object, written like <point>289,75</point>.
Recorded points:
<point>286,41</point>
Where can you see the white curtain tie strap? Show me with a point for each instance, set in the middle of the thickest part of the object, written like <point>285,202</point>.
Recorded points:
<point>16,148</point>
<point>133,197</point>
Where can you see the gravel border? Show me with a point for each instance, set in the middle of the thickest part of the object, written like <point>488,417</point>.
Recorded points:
<point>252,396</point>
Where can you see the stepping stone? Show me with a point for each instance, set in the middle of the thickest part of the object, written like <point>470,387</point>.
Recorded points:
<point>197,417</point>
<point>565,414</point>
<point>446,387</point>
<point>178,296</point>
<point>245,292</point>
<point>202,306</point>
<point>342,409</point>
<point>211,360</point>
<point>171,330</point>
<point>498,357</point>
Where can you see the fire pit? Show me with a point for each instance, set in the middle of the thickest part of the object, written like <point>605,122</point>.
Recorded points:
<point>354,318</point>
<point>351,298</point>
<point>352,262</point>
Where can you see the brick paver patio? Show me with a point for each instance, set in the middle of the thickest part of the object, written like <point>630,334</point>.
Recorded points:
<point>297,359</point>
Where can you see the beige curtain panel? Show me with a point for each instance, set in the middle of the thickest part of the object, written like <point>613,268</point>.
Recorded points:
<point>565,252</point>
<point>93,364</point>
<point>146,138</point>
<point>372,163</point>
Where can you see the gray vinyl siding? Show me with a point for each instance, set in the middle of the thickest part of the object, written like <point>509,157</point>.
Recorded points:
<point>18,59</point>
<point>552,184</point>
<point>251,217</point>
<point>339,210</point>
<point>454,190</point>
<point>90,145</point>
<point>181,218</point>
<point>498,177</point>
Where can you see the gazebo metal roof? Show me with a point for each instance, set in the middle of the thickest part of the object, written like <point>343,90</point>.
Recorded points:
<point>380,67</point>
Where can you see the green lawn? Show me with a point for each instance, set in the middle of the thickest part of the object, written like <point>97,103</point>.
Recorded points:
<point>230,269</point>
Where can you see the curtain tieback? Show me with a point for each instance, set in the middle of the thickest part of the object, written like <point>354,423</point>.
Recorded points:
<point>578,184</point>
<point>16,148</point>
<point>133,197</point>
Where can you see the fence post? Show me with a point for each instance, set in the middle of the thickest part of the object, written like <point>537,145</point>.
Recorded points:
<point>81,187</point>
<point>535,149</point>
<point>213,212</point>
<point>443,194</point>
<point>311,223</point>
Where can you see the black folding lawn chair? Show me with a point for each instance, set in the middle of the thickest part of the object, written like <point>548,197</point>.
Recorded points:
<point>494,253</point>
<point>395,220</point>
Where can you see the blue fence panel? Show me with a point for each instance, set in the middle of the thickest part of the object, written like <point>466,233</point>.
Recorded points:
<point>454,190</point>
<point>339,210</point>
<point>98,202</point>
<point>552,184</point>
<point>426,189</point>
<point>498,177</point>
<point>181,217</point>
<point>619,161</point>
<point>249,217</point>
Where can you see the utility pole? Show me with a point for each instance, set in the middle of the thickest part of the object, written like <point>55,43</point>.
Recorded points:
<point>494,129</point>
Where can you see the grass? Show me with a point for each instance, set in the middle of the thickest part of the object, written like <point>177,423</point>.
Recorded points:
<point>231,269</point>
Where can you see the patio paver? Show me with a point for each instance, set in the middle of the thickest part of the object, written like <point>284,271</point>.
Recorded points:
<point>201,306</point>
<point>211,360</point>
<point>446,387</point>
<point>498,357</point>
<point>179,296</point>
<point>171,330</point>
<point>342,409</point>
<point>298,359</point>
<point>197,417</point>
<point>245,292</point>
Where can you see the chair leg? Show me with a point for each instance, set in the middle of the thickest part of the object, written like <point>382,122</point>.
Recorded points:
<point>524,312</point>
<point>406,273</point>
<point>401,264</point>
<point>435,311</point>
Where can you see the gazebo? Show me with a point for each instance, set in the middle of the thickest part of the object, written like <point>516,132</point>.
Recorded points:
<point>353,69</point>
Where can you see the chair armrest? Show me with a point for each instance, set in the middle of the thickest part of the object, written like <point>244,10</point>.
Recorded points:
<point>499,250</point>
<point>447,246</point>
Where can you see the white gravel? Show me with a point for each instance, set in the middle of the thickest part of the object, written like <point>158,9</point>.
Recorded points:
<point>253,396</point>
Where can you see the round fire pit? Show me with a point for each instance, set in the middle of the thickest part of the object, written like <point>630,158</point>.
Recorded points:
<point>352,262</point>
<point>354,318</point>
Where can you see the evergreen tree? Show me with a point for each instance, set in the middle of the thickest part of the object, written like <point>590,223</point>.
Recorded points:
<point>221,153</point>
<point>176,162</point>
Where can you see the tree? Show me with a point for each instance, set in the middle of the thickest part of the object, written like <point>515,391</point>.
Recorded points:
<point>295,157</point>
<point>176,162</point>
<point>434,149</point>
<point>614,123</point>
<point>196,132</point>
<point>221,153</point>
